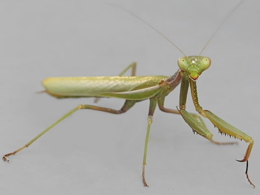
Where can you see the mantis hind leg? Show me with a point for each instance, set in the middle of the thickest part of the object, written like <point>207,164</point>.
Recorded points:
<point>127,105</point>
<point>131,66</point>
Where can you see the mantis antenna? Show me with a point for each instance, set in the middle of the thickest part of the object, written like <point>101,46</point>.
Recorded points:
<point>156,30</point>
<point>222,23</point>
<point>152,27</point>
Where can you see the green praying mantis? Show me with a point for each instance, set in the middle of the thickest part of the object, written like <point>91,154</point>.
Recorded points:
<point>138,88</point>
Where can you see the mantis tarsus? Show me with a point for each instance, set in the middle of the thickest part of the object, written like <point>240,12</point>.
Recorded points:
<point>137,88</point>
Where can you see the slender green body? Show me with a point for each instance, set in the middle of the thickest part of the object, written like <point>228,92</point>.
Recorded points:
<point>137,88</point>
<point>155,88</point>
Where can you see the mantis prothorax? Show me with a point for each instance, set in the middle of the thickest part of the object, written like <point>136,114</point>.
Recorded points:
<point>138,88</point>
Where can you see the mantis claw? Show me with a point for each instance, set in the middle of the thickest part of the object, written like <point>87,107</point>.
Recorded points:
<point>246,172</point>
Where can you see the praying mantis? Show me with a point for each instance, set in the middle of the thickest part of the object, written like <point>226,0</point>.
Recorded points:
<point>138,88</point>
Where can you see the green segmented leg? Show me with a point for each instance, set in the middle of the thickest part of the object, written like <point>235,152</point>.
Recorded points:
<point>226,128</point>
<point>196,126</point>
<point>195,118</point>
<point>222,125</point>
<point>152,107</point>
<point>131,66</point>
<point>127,105</point>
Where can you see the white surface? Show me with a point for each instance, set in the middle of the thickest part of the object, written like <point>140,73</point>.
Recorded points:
<point>99,153</point>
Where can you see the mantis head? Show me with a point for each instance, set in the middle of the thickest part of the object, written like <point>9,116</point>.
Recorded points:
<point>193,66</point>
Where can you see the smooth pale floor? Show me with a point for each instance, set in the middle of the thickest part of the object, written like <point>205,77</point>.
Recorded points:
<point>99,153</point>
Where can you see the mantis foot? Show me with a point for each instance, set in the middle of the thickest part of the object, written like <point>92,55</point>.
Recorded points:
<point>5,158</point>
<point>143,177</point>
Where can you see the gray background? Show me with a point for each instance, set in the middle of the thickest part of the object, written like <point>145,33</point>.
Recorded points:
<point>99,153</point>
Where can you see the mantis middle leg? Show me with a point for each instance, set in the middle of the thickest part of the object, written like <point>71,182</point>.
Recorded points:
<point>153,103</point>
